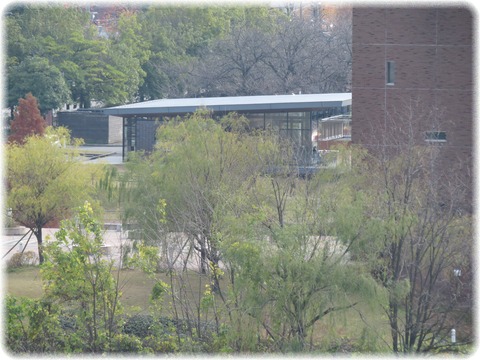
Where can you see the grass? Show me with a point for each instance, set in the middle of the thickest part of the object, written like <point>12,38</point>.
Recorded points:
<point>135,286</point>
<point>136,289</point>
<point>24,281</point>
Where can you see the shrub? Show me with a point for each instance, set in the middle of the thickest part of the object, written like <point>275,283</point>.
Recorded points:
<point>32,326</point>
<point>22,259</point>
<point>162,344</point>
<point>138,325</point>
<point>126,343</point>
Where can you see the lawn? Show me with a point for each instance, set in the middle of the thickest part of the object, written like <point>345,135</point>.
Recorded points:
<point>136,288</point>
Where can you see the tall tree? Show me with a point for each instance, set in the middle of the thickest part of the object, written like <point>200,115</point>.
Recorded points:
<point>272,53</point>
<point>36,75</point>
<point>234,66</point>
<point>422,232</point>
<point>177,36</point>
<point>42,31</point>
<point>27,120</point>
<point>45,181</point>
<point>31,29</point>
<point>194,178</point>
<point>93,68</point>
<point>292,266</point>
<point>305,58</point>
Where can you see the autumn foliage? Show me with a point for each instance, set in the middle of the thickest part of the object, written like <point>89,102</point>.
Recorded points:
<point>27,120</point>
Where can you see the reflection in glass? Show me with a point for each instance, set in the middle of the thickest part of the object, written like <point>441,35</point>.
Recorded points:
<point>256,120</point>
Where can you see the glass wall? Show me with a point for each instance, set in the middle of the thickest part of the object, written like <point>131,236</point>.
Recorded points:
<point>276,121</point>
<point>294,127</point>
<point>256,121</point>
<point>334,128</point>
<point>301,128</point>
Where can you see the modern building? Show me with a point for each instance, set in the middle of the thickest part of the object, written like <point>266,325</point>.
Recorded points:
<point>92,126</point>
<point>306,120</point>
<point>417,60</point>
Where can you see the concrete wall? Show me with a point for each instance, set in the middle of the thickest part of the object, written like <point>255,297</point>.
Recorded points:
<point>115,129</point>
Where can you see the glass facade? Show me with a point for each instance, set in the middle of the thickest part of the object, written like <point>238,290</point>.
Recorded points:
<point>300,128</point>
<point>294,127</point>
<point>330,130</point>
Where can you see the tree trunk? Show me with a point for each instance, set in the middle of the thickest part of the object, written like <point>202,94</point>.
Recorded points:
<point>38,235</point>
<point>203,257</point>
<point>394,326</point>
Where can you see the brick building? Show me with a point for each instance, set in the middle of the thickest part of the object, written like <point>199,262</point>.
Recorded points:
<point>417,61</point>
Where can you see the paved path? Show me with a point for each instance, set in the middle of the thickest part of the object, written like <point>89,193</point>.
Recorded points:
<point>110,154</point>
<point>177,253</point>
<point>112,239</point>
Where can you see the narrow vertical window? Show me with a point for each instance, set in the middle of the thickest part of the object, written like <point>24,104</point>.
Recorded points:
<point>390,72</point>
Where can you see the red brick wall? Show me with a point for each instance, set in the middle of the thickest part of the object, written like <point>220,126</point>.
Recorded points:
<point>433,54</point>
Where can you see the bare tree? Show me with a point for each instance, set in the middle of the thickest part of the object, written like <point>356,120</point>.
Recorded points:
<point>296,54</point>
<point>306,57</point>
<point>425,233</point>
<point>233,66</point>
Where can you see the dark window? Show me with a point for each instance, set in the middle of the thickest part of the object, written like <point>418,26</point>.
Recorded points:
<point>390,72</point>
<point>436,136</point>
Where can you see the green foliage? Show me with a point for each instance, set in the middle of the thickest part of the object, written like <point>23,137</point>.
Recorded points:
<point>70,58</point>
<point>188,180</point>
<point>159,290</point>
<point>124,343</point>
<point>284,275</point>
<point>45,180</point>
<point>162,51</point>
<point>32,326</point>
<point>38,76</point>
<point>139,325</point>
<point>370,343</point>
<point>162,345</point>
<point>145,258</point>
<point>175,37</point>
<point>290,280</point>
<point>82,278</point>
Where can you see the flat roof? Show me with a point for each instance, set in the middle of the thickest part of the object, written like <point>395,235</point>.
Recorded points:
<point>342,117</point>
<point>232,103</point>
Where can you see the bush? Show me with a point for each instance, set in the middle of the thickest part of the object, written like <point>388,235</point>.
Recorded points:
<point>22,259</point>
<point>126,343</point>
<point>68,321</point>
<point>138,325</point>
<point>163,344</point>
<point>32,326</point>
